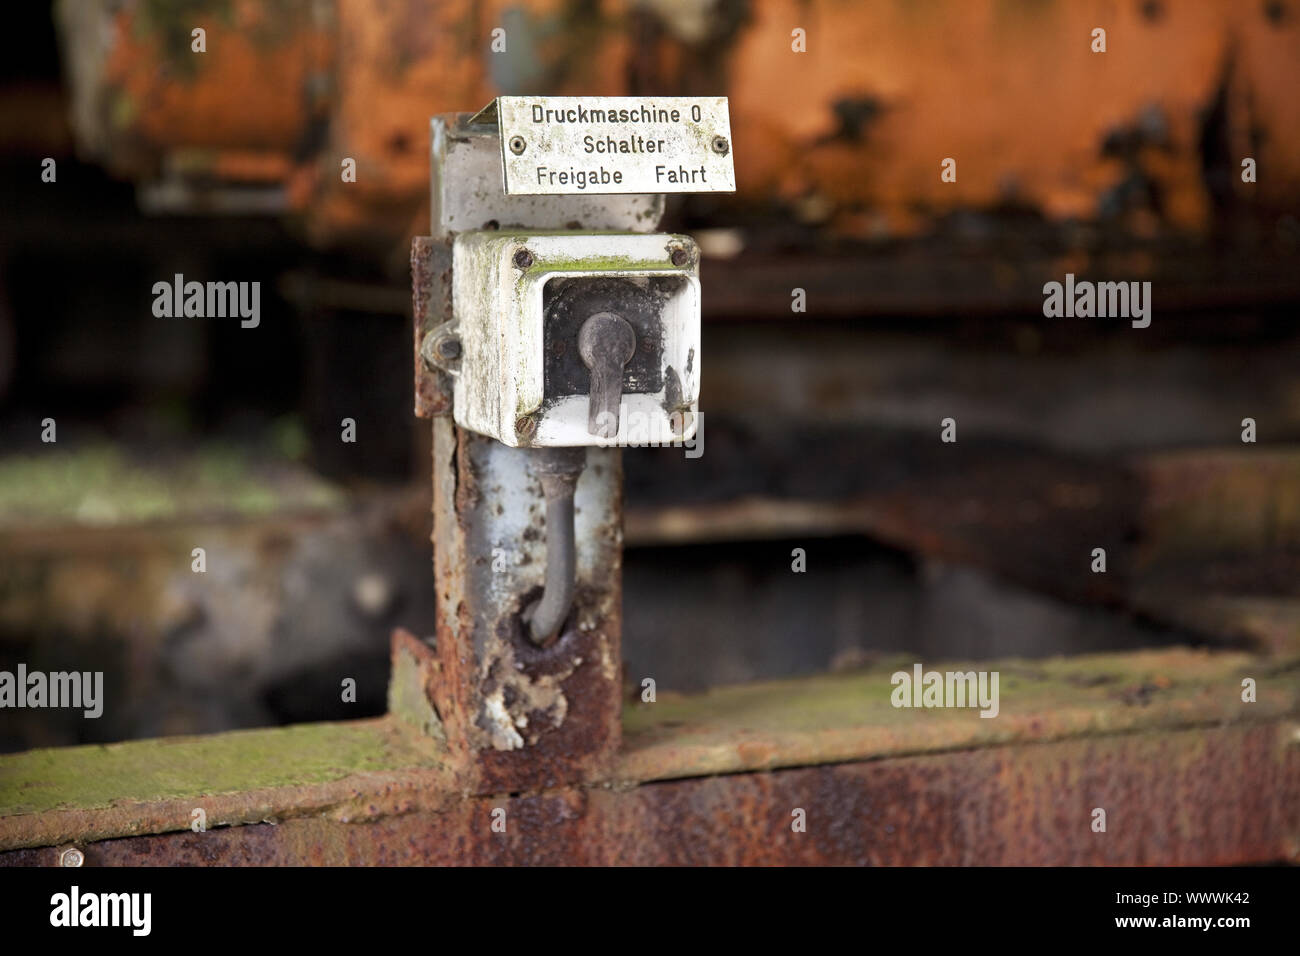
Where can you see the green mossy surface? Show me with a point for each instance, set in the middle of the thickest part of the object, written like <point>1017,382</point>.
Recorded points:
<point>1039,700</point>
<point>176,767</point>
<point>863,698</point>
<point>98,485</point>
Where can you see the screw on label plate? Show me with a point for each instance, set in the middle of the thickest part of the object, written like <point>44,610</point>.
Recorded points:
<point>517,145</point>
<point>523,259</point>
<point>720,145</point>
<point>525,426</point>
<point>680,257</point>
<point>72,857</point>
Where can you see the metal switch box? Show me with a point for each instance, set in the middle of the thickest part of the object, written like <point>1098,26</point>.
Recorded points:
<point>571,339</point>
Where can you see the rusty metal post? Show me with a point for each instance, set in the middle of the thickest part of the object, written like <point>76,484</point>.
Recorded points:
<point>516,716</point>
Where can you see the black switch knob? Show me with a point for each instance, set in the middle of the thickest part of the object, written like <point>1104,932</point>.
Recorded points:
<point>606,343</point>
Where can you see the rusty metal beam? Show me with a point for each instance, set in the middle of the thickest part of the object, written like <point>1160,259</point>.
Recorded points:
<point>1221,796</point>
<point>1186,770</point>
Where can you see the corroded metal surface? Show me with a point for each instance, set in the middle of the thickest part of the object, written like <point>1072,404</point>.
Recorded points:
<point>518,716</point>
<point>1220,796</point>
<point>374,770</point>
<point>352,770</point>
<point>850,717</point>
<point>1182,92</point>
<point>146,100</point>
<point>467,191</point>
<point>431,307</point>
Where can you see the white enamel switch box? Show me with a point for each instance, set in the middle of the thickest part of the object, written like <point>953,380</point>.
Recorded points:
<point>571,339</point>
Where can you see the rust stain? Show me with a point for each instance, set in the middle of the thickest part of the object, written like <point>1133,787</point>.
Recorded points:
<point>519,717</point>
<point>1218,797</point>
<point>431,306</point>
<point>850,143</point>
<point>249,90</point>
<point>1097,702</point>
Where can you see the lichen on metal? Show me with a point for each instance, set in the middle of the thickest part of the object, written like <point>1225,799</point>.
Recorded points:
<point>378,770</point>
<point>151,786</point>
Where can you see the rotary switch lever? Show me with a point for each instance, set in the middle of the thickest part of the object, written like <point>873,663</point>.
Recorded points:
<point>606,343</point>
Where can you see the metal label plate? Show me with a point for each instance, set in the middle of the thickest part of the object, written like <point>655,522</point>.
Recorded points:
<point>571,145</point>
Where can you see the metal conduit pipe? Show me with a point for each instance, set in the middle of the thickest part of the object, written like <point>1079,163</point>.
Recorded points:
<point>558,470</point>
